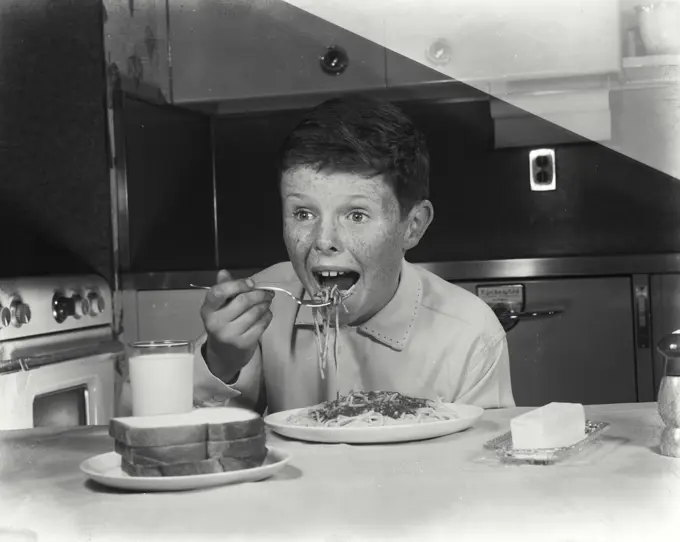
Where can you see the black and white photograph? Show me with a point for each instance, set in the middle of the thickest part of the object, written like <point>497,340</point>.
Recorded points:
<point>339,270</point>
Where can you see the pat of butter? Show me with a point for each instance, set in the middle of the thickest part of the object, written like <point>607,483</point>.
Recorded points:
<point>552,426</point>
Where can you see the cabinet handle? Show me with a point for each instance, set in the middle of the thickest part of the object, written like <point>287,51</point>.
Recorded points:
<point>439,52</point>
<point>642,316</point>
<point>334,61</point>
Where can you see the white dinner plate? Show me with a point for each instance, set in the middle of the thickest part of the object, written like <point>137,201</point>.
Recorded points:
<point>105,469</point>
<point>467,417</point>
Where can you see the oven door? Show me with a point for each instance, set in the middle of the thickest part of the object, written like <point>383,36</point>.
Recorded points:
<point>44,392</point>
<point>569,340</point>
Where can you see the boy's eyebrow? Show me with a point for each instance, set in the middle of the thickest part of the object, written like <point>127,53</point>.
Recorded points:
<point>361,199</point>
<point>295,195</point>
<point>351,198</point>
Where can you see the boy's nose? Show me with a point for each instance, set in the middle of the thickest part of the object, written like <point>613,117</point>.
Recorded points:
<point>326,247</point>
<point>327,240</point>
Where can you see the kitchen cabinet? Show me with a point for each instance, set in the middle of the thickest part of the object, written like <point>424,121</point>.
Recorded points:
<point>584,354</point>
<point>256,48</point>
<point>548,60</point>
<point>213,54</point>
<point>224,50</point>
<point>495,40</point>
<point>55,191</point>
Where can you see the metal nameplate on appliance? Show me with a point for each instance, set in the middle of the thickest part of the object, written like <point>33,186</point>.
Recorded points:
<point>506,295</point>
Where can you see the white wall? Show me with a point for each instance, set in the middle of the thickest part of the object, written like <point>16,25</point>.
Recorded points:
<point>162,315</point>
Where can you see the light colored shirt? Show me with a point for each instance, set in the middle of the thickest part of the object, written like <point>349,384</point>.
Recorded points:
<point>433,339</point>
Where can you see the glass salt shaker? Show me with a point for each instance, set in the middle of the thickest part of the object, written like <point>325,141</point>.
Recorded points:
<point>669,395</point>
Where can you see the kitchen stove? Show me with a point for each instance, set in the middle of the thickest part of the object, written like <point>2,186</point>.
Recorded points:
<point>58,354</point>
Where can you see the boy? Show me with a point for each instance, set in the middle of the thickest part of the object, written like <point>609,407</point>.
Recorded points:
<point>354,177</point>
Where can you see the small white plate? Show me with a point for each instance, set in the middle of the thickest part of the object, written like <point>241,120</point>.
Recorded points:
<point>467,417</point>
<point>105,469</point>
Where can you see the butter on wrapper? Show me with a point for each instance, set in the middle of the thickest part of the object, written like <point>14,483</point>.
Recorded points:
<point>554,425</point>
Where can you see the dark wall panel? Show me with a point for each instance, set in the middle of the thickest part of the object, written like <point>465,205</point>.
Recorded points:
<point>605,203</point>
<point>170,188</point>
<point>248,204</point>
<point>54,182</point>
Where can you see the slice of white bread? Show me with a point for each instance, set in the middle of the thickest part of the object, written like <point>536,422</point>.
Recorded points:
<point>199,451</point>
<point>208,466</point>
<point>200,425</point>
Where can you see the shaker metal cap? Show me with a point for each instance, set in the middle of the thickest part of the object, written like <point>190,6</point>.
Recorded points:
<point>672,367</point>
<point>669,346</point>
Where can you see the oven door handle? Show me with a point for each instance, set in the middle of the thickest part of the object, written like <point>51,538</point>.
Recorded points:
<point>526,315</point>
<point>509,318</point>
<point>17,364</point>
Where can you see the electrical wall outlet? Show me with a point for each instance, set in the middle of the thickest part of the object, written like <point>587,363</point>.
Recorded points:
<point>542,174</point>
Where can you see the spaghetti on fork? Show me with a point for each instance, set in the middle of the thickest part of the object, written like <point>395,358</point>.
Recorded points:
<point>324,318</point>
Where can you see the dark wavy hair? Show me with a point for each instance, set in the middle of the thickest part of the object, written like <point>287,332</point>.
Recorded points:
<point>365,136</point>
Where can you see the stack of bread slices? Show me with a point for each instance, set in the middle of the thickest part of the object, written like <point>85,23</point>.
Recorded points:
<point>204,441</point>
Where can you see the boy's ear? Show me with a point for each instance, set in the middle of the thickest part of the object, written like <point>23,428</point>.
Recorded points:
<point>418,220</point>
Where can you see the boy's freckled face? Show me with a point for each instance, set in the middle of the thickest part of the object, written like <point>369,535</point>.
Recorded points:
<point>344,221</point>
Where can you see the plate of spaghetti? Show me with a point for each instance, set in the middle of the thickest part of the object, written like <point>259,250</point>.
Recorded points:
<point>364,417</point>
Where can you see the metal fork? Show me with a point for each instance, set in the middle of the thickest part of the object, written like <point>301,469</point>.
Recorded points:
<point>306,303</point>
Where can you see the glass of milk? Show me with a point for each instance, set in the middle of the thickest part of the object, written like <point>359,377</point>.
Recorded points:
<point>161,377</point>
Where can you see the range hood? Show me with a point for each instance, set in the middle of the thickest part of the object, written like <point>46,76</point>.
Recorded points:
<point>519,119</point>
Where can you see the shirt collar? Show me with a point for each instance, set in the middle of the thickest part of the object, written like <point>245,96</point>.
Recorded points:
<point>393,324</point>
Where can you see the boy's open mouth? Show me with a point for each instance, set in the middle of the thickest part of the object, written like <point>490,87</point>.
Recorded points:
<point>344,280</point>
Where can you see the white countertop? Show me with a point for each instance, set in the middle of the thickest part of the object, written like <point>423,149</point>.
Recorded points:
<point>443,489</point>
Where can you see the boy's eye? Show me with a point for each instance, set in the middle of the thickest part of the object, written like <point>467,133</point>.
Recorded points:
<point>357,216</point>
<point>302,215</point>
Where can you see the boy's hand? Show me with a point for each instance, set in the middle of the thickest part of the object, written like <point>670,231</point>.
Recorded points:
<point>235,317</point>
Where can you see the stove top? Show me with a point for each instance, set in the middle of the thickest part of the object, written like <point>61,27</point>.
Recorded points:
<point>35,306</point>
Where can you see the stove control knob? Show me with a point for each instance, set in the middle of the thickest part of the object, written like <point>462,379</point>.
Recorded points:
<point>97,304</point>
<point>5,317</point>
<point>62,307</point>
<point>20,313</point>
<point>81,306</point>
